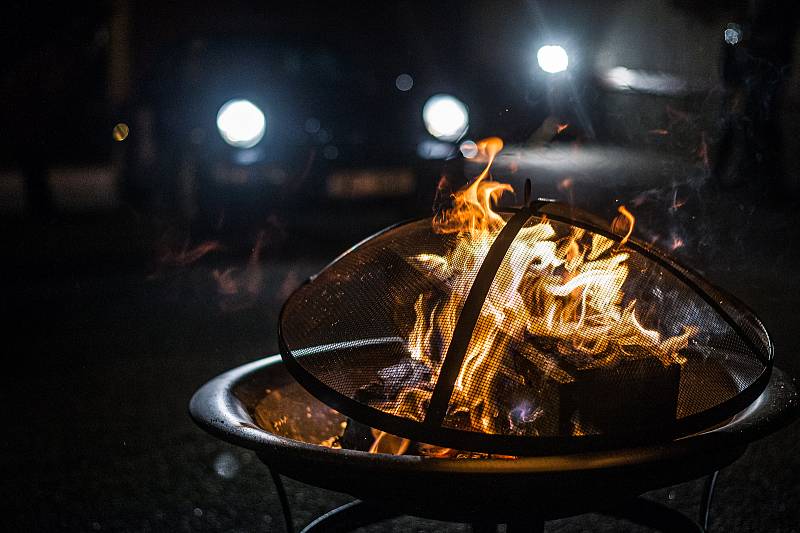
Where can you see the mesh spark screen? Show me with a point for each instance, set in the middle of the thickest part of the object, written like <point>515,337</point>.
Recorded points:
<point>547,336</point>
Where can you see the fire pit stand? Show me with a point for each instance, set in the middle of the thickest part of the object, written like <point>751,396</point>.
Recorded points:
<point>485,492</point>
<point>642,511</point>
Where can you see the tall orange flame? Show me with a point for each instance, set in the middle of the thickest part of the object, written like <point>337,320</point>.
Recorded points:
<point>472,207</point>
<point>566,289</point>
<point>628,223</point>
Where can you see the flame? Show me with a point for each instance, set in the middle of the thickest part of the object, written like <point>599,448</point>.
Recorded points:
<point>561,127</point>
<point>472,207</point>
<point>626,221</point>
<point>565,290</point>
<point>388,443</point>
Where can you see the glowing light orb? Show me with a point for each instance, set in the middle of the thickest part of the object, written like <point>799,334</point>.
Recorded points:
<point>404,82</point>
<point>552,58</point>
<point>120,132</point>
<point>445,117</point>
<point>469,149</point>
<point>733,34</point>
<point>241,124</point>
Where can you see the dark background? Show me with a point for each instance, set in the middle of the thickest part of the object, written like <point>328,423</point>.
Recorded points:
<point>139,269</point>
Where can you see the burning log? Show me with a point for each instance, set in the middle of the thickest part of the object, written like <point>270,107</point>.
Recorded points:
<point>356,436</point>
<point>390,389</point>
<point>580,394</point>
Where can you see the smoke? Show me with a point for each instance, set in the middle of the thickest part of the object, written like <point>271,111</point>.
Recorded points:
<point>174,252</point>
<point>191,270</point>
<point>239,288</point>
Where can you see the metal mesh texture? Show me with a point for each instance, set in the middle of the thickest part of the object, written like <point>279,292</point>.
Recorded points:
<point>543,384</point>
<point>360,312</point>
<point>356,328</point>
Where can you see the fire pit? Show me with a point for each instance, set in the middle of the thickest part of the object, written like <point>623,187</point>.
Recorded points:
<point>237,405</point>
<point>479,347</point>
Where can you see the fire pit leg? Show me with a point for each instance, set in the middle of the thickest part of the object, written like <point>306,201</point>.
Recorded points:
<point>705,504</point>
<point>281,490</point>
<point>348,517</point>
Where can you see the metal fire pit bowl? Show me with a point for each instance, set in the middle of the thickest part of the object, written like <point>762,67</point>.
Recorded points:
<point>527,490</point>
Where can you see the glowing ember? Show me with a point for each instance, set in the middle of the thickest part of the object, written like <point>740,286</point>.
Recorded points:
<point>554,290</point>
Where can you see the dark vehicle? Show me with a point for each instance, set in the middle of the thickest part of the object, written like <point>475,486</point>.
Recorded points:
<point>333,134</point>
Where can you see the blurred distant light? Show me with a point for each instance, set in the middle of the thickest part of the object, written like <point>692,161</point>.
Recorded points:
<point>312,125</point>
<point>430,149</point>
<point>404,82</point>
<point>733,34</point>
<point>248,156</point>
<point>621,77</point>
<point>324,136</point>
<point>552,58</point>
<point>120,132</point>
<point>445,117</point>
<point>644,81</point>
<point>469,149</point>
<point>241,123</point>
<point>226,466</point>
<point>330,152</point>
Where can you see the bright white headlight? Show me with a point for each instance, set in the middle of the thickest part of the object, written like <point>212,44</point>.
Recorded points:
<point>552,58</point>
<point>445,117</point>
<point>241,123</point>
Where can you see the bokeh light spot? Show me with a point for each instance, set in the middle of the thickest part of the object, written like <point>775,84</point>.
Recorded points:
<point>241,123</point>
<point>552,58</point>
<point>445,117</point>
<point>120,132</point>
<point>404,82</point>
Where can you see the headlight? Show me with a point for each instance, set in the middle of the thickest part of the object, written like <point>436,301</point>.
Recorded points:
<point>445,117</point>
<point>241,123</point>
<point>552,58</point>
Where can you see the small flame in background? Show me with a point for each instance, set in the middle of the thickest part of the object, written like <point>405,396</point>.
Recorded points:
<point>239,289</point>
<point>172,256</point>
<point>676,242</point>
<point>566,289</point>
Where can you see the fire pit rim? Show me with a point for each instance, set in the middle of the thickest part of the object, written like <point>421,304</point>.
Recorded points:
<point>217,409</point>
